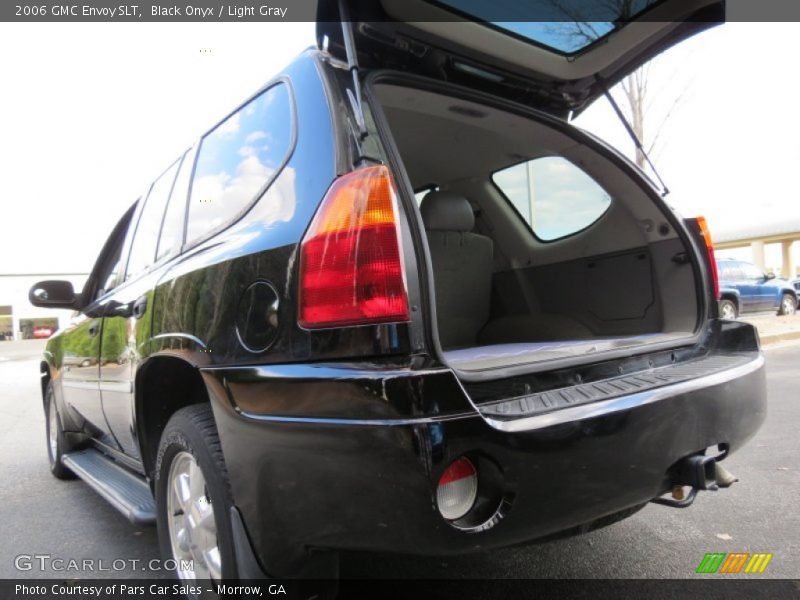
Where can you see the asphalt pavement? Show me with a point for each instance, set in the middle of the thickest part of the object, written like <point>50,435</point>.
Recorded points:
<point>40,515</point>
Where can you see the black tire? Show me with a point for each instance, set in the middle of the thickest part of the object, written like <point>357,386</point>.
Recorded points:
<point>725,306</point>
<point>59,446</point>
<point>192,429</point>
<point>788,305</point>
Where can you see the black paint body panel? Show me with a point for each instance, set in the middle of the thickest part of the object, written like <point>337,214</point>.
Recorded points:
<point>365,479</point>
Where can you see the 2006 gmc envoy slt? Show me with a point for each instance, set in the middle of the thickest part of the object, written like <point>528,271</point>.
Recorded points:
<point>396,302</point>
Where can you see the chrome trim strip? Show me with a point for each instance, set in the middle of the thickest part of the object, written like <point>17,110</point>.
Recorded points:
<point>614,405</point>
<point>80,385</point>
<point>123,387</point>
<point>323,371</point>
<point>357,422</point>
<point>196,340</point>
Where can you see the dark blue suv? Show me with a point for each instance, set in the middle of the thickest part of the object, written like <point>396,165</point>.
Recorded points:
<point>746,288</point>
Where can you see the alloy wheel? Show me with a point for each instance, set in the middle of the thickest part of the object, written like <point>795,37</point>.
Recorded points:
<point>192,528</point>
<point>52,431</point>
<point>728,312</point>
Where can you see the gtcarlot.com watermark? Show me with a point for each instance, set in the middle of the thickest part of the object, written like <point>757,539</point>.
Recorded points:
<point>48,562</point>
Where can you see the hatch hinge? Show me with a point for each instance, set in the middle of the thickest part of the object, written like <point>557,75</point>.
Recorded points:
<point>352,66</point>
<point>636,141</point>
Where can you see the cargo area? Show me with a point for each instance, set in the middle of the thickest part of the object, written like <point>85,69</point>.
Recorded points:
<point>542,246</point>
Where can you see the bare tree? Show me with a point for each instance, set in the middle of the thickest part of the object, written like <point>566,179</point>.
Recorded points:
<point>639,97</point>
<point>637,92</point>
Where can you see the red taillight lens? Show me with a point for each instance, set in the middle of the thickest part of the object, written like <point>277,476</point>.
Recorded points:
<point>351,263</point>
<point>457,489</point>
<point>701,223</point>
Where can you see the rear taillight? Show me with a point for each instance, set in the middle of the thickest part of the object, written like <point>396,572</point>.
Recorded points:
<point>351,261</point>
<point>701,223</point>
<point>457,489</point>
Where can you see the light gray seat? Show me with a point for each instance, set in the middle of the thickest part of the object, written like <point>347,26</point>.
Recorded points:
<point>462,268</point>
<point>462,272</point>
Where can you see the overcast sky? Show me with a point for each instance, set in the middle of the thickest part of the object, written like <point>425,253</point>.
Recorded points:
<point>91,113</point>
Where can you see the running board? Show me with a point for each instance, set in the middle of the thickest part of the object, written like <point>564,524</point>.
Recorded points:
<point>128,493</point>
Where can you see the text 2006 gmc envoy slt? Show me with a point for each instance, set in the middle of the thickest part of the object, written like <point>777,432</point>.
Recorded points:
<point>396,302</point>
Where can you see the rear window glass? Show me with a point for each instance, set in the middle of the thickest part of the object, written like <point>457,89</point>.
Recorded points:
<point>554,197</point>
<point>143,250</point>
<point>238,159</point>
<point>419,195</point>
<point>172,227</point>
<point>564,27</point>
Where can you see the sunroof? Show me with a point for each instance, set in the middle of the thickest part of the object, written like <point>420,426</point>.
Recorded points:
<point>565,26</point>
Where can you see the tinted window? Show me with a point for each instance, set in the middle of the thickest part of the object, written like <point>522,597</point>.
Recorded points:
<point>731,270</point>
<point>172,229</point>
<point>420,194</point>
<point>111,275</point>
<point>110,280</point>
<point>238,159</point>
<point>725,270</point>
<point>565,27</point>
<point>143,249</point>
<point>555,197</point>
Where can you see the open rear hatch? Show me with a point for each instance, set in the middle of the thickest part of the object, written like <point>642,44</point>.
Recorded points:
<point>555,55</point>
<point>626,285</point>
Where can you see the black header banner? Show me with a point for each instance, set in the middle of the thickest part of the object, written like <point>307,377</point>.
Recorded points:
<point>106,11</point>
<point>113,11</point>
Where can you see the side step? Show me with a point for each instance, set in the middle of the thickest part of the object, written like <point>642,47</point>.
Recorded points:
<point>127,492</point>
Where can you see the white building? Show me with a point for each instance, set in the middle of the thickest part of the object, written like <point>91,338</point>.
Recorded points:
<point>18,317</point>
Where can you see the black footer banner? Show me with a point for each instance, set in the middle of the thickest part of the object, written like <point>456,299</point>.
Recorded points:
<point>461,589</point>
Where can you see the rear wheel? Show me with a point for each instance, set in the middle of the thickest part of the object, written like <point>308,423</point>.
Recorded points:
<point>193,497</point>
<point>788,305</point>
<point>57,444</point>
<point>727,310</point>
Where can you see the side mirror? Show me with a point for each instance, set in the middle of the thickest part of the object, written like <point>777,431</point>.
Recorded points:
<point>53,294</point>
<point>768,276</point>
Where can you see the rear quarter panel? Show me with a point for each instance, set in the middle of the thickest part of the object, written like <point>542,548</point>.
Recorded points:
<point>197,299</point>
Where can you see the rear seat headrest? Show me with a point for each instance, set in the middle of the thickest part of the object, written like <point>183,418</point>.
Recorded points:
<point>446,211</point>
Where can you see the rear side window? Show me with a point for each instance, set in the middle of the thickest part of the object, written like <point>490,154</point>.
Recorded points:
<point>238,159</point>
<point>419,195</point>
<point>143,249</point>
<point>172,229</point>
<point>730,271</point>
<point>554,197</point>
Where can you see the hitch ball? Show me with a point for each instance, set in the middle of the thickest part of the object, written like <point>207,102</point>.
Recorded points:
<point>724,477</point>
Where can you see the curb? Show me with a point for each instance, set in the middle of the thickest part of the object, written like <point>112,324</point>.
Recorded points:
<point>779,337</point>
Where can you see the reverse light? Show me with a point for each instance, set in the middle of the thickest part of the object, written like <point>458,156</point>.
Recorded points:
<point>704,231</point>
<point>457,489</point>
<point>351,261</point>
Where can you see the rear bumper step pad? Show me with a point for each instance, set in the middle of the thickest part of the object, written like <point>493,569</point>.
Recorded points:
<point>586,400</point>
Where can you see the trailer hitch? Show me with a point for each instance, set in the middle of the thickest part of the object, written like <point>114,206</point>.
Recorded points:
<point>699,472</point>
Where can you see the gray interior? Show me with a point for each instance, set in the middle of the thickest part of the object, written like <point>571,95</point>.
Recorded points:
<point>500,291</point>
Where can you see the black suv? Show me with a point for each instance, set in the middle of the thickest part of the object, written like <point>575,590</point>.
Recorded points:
<point>395,301</point>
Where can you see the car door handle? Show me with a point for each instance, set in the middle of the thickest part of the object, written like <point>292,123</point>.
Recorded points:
<point>139,307</point>
<point>94,328</point>
<point>122,310</point>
